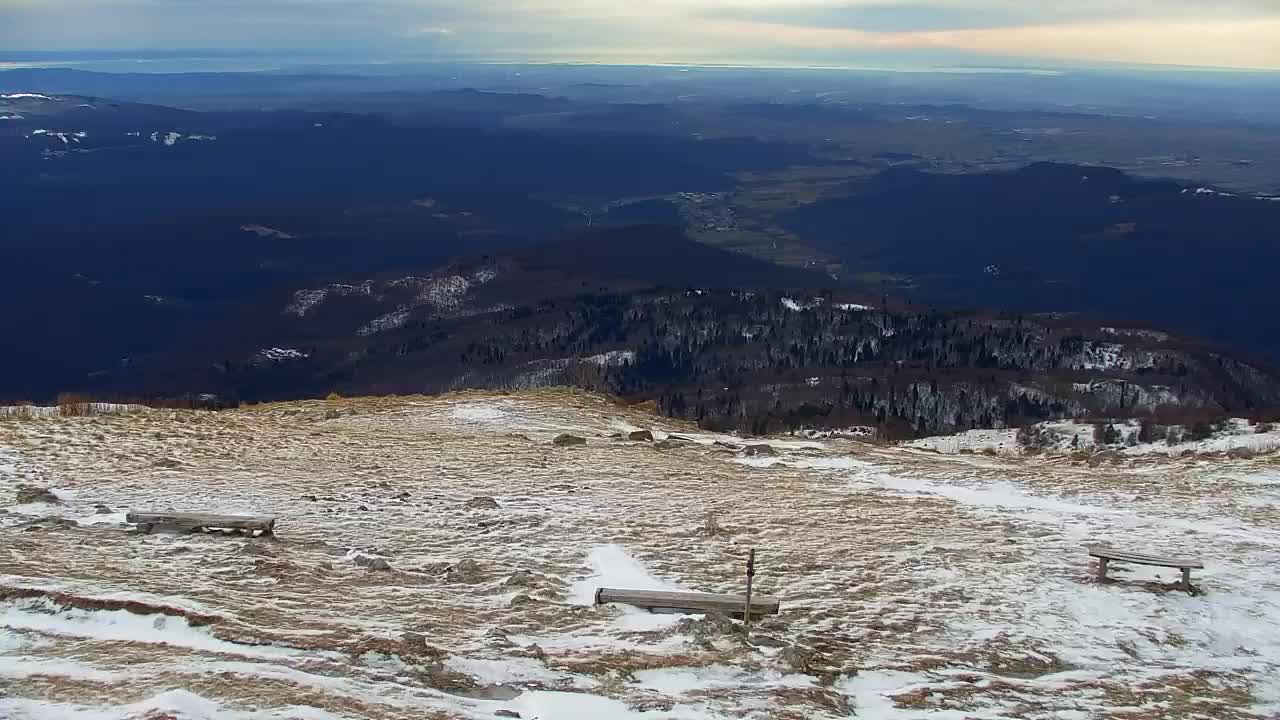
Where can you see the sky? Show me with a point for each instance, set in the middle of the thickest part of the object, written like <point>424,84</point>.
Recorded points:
<point>1208,33</point>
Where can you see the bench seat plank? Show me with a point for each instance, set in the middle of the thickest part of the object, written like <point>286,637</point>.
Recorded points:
<point>663,601</point>
<point>207,520</point>
<point>1141,559</point>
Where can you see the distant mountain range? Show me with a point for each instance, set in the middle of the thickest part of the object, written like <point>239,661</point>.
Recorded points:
<point>250,255</point>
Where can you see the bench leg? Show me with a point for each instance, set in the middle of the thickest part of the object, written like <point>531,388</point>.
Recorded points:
<point>1186,579</point>
<point>1102,569</point>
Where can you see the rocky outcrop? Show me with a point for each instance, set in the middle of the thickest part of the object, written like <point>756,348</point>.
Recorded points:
<point>31,494</point>
<point>482,503</point>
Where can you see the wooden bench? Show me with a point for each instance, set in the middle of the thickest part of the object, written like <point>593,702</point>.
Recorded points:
<point>689,602</point>
<point>1107,554</point>
<point>148,521</point>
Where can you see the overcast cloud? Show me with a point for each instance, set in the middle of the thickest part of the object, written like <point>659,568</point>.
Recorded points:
<point>1228,33</point>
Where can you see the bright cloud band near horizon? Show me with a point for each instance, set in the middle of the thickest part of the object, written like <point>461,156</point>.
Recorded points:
<point>1221,33</point>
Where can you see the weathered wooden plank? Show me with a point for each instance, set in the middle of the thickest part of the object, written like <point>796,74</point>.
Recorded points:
<point>662,601</point>
<point>1141,559</point>
<point>1148,560</point>
<point>1115,553</point>
<point>265,523</point>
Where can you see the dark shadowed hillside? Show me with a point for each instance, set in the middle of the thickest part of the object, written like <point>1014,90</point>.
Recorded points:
<point>1064,238</point>
<point>607,311</point>
<point>652,255</point>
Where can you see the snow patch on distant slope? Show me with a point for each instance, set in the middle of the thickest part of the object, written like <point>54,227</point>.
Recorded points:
<point>282,354</point>
<point>1146,334</point>
<point>305,300</point>
<point>389,321</point>
<point>613,358</point>
<point>267,232</point>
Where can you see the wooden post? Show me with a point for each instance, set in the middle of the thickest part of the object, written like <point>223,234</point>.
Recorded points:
<point>751,573</point>
<point>1186,579</point>
<point>1102,569</point>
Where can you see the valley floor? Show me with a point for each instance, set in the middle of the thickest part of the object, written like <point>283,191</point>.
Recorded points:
<point>913,584</point>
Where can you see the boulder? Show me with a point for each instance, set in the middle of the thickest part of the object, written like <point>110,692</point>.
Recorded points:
<point>498,637</point>
<point>759,450</point>
<point>506,713</point>
<point>466,571</point>
<point>256,550</point>
<point>332,414</point>
<point>799,659</point>
<point>520,578</point>
<point>709,628</point>
<point>32,494</point>
<point>373,563</point>
<point>640,436</point>
<point>482,503</point>
<point>568,440</point>
<point>101,509</point>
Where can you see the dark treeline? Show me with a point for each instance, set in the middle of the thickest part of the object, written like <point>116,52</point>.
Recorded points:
<point>754,362</point>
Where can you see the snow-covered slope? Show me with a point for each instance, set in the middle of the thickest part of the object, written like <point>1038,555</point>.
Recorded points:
<point>1067,436</point>
<point>913,584</point>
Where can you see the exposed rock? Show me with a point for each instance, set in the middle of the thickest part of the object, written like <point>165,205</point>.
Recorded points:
<point>450,681</point>
<point>657,704</point>
<point>466,571</point>
<point>520,578</point>
<point>168,463</point>
<point>759,450</point>
<point>710,627</point>
<point>801,660</point>
<point>332,414</point>
<point>568,440</point>
<point>761,640</point>
<point>498,636</point>
<point>373,563</point>
<point>48,523</point>
<point>640,436</point>
<point>506,713</point>
<point>256,550</point>
<point>482,503</point>
<point>101,509</point>
<point>32,494</point>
